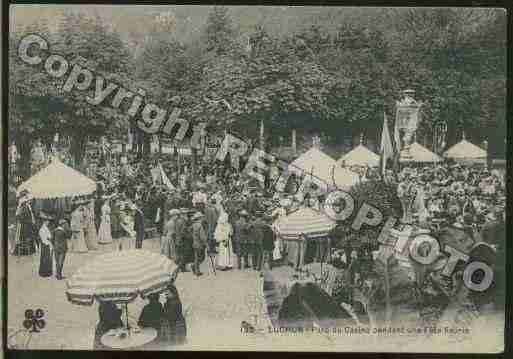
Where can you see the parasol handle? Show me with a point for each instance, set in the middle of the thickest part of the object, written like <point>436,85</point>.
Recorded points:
<point>126,314</point>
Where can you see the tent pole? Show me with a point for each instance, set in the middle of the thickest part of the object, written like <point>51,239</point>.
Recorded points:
<point>126,313</point>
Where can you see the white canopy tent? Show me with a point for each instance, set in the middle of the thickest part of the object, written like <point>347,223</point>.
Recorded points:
<point>322,170</point>
<point>419,154</point>
<point>465,151</point>
<point>359,156</point>
<point>58,181</point>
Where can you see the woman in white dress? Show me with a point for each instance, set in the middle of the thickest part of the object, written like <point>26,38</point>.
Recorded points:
<point>276,215</point>
<point>89,227</point>
<point>223,236</point>
<point>104,232</point>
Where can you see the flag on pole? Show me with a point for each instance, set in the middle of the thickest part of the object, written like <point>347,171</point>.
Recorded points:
<point>386,149</point>
<point>165,180</point>
<point>398,145</point>
<point>397,138</point>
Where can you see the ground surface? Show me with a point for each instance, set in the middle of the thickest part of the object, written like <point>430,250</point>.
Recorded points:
<point>214,307</point>
<point>211,304</point>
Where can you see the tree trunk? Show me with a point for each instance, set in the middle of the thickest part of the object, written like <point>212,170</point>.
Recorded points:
<point>24,147</point>
<point>78,147</point>
<point>194,153</point>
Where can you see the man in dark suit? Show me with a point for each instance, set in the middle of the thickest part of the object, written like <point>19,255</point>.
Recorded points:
<point>211,216</point>
<point>267,246</point>
<point>199,241</point>
<point>60,238</point>
<point>138,227</point>
<point>257,243</point>
<point>240,240</point>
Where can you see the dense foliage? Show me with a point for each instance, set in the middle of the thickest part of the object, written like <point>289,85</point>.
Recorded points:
<point>331,76</point>
<point>378,194</point>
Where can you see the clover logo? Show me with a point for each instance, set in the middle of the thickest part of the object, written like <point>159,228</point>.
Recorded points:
<point>34,320</point>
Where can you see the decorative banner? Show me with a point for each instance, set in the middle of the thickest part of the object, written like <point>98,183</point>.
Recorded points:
<point>407,116</point>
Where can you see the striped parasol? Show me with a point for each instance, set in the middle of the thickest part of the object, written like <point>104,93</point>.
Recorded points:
<point>307,221</point>
<point>120,277</point>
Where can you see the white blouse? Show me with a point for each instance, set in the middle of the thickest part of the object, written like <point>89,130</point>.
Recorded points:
<point>45,235</point>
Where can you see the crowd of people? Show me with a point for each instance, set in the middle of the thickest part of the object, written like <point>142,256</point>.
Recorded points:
<point>224,217</point>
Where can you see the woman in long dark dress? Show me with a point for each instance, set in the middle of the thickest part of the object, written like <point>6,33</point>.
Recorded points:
<point>25,234</point>
<point>110,318</point>
<point>173,330</point>
<point>45,260</point>
<point>151,313</point>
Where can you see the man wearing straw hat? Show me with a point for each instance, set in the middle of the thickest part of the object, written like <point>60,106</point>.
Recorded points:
<point>138,226</point>
<point>60,238</point>
<point>199,241</point>
<point>240,240</point>
<point>168,244</point>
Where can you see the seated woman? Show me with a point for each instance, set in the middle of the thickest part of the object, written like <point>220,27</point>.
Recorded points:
<point>110,318</point>
<point>151,313</point>
<point>173,330</point>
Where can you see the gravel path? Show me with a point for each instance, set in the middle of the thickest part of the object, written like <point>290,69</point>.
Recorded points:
<point>214,306</point>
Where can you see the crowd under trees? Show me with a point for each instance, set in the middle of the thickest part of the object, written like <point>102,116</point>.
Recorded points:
<point>334,83</point>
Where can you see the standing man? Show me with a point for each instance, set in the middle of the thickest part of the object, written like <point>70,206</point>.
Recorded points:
<point>241,240</point>
<point>211,216</point>
<point>168,244</point>
<point>138,226</point>
<point>181,228</point>
<point>199,241</point>
<point>257,243</point>
<point>60,238</point>
<point>268,242</point>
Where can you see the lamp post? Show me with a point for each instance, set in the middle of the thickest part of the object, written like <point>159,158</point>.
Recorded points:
<point>439,132</point>
<point>407,118</point>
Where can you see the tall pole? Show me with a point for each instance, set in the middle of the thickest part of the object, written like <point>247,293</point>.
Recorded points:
<point>262,141</point>
<point>294,147</point>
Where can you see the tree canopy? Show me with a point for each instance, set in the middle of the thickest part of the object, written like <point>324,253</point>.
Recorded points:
<point>337,80</point>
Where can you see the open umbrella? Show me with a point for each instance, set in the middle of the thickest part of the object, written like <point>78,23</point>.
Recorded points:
<point>305,221</point>
<point>120,277</point>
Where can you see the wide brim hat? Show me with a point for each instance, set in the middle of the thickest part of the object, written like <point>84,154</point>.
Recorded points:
<point>63,221</point>
<point>43,215</point>
<point>197,215</point>
<point>174,212</point>
<point>244,213</point>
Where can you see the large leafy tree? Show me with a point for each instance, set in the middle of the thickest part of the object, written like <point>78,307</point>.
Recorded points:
<point>39,107</point>
<point>34,105</point>
<point>90,44</point>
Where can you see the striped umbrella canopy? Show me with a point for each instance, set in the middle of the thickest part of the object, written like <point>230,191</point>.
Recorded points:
<point>307,221</point>
<point>120,277</point>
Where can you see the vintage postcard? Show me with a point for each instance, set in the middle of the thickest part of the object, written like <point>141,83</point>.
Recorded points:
<point>256,178</point>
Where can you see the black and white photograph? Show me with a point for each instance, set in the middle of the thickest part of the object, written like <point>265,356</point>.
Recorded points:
<point>255,178</point>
